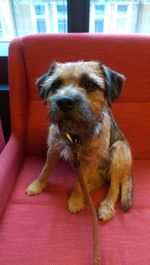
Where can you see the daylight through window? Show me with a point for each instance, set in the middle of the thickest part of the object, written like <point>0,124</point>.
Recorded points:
<point>119,16</point>
<point>21,17</point>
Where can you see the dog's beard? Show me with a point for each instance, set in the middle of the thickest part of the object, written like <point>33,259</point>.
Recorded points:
<point>80,122</point>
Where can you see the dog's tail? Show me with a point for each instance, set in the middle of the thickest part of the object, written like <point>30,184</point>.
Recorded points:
<point>126,192</point>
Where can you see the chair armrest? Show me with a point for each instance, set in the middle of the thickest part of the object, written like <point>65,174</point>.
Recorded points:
<point>11,159</point>
<point>2,141</point>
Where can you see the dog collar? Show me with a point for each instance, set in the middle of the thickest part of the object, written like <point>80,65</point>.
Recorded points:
<point>73,142</point>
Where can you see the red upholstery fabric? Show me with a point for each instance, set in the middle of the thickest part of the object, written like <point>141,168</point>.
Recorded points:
<point>2,141</point>
<point>40,230</point>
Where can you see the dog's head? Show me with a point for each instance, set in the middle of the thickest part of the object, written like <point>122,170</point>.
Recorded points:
<point>77,92</point>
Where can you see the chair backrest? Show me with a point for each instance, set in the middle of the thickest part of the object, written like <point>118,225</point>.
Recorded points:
<point>31,56</point>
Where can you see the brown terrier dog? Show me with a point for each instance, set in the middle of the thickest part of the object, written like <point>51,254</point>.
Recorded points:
<point>80,94</point>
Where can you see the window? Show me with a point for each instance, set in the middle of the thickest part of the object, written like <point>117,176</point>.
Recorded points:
<point>62,25</point>
<point>62,9</point>
<point>62,18</point>
<point>40,18</point>
<point>122,8</point>
<point>99,25</point>
<point>122,19</point>
<point>97,16</point>
<point>119,16</point>
<point>41,25</point>
<point>21,17</point>
<point>39,9</point>
<point>99,9</point>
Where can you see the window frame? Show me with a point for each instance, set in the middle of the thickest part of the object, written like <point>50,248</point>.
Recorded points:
<point>82,23</point>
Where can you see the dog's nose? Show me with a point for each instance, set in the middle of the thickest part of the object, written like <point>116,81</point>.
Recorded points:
<point>65,103</point>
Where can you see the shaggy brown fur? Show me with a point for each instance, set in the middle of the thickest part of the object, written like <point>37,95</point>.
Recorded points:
<point>79,95</point>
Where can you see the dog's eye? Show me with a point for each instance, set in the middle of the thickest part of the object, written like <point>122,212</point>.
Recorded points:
<point>56,85</point>
<point>90,85</point>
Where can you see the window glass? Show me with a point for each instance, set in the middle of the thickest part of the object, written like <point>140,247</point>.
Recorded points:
<point>99,25</point>
<point>62,25</point>
<point>99,9</point>
<point>119,16</point>
<point>39,9</point>
<point>41,25</point>
<point>21,17</point>
<point>62,9</point>
<point>122,8</point>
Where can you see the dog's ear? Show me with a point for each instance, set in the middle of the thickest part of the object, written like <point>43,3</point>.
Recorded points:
<point>113,84</point>
<point>40,83</point>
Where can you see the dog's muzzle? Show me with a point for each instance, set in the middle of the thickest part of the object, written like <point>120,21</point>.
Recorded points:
<point>66,103</point>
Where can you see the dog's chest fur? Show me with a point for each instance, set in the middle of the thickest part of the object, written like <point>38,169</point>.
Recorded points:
<point>96,148</point>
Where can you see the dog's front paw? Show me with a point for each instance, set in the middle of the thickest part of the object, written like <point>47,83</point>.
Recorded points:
<point>76,202</point>
<point>106,211</point>
<point>35,187</point>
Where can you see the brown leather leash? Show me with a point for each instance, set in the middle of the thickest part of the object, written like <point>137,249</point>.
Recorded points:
<point>74,145</point>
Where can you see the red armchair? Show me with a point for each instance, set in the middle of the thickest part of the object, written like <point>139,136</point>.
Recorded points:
<point>40,230</point>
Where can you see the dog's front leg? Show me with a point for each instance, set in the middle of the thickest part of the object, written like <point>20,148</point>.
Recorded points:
<point>120,176</point>
<point>77,201</point>
<point>39,184</point>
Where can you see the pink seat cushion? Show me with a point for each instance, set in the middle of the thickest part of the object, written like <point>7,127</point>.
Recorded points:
<point>40,230</point>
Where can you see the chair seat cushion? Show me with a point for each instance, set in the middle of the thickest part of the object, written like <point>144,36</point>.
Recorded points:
<point>40,230</point>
